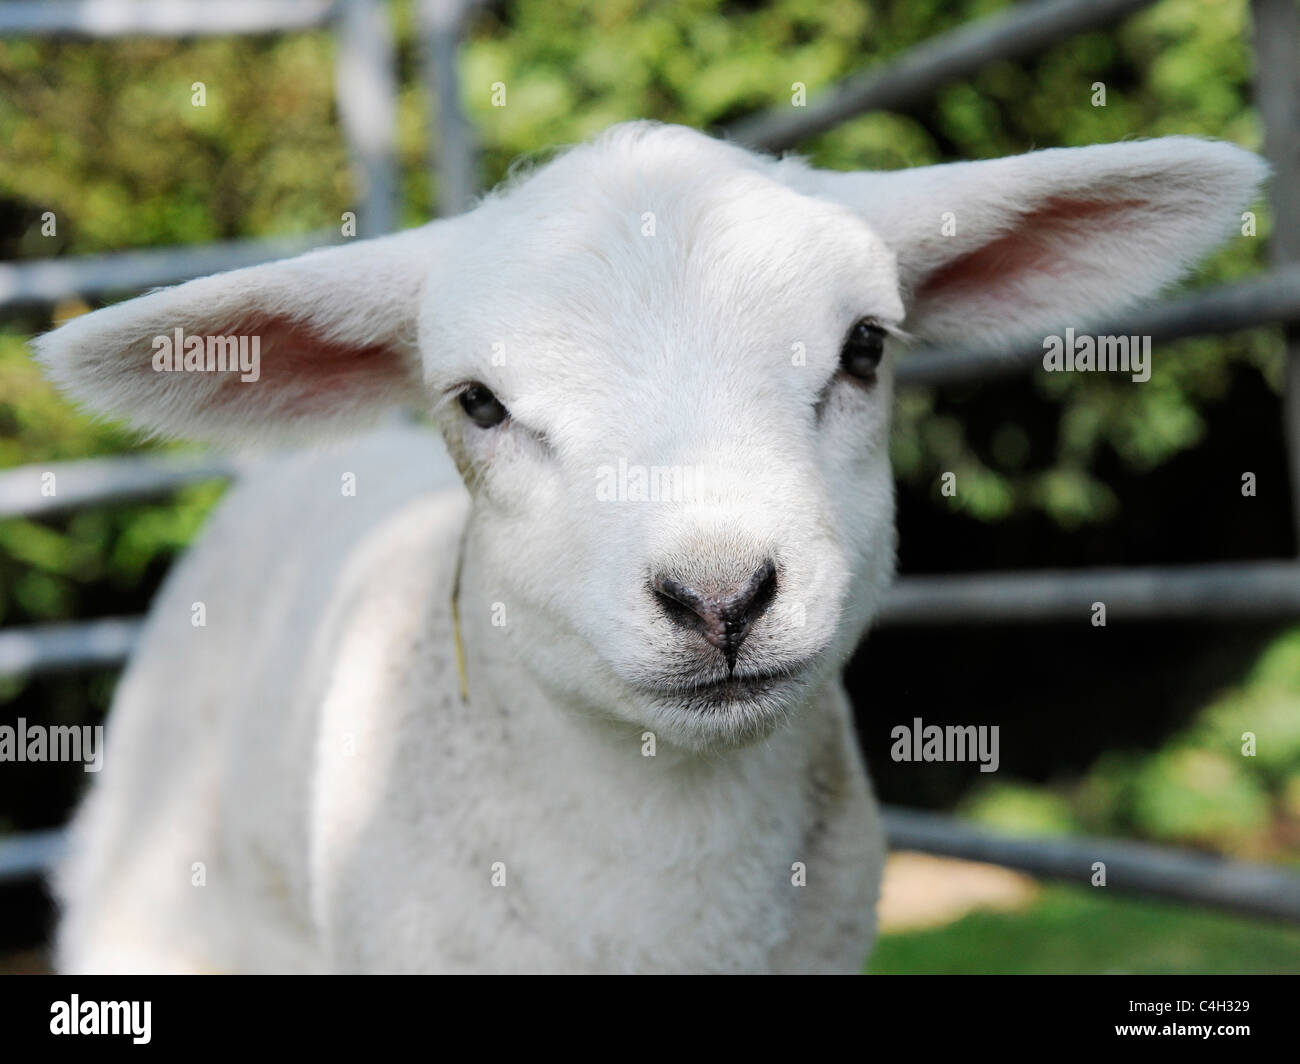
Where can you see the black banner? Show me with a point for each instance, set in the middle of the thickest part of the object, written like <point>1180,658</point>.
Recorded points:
<point>1050,1014</point>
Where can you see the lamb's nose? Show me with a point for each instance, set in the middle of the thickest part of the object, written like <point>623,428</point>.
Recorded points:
<point>722,616</point>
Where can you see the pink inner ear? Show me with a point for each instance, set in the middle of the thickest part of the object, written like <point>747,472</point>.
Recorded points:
<point>304,374</point>
<point>1039,242</point>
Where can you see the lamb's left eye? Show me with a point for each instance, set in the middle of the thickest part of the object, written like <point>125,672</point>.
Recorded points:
<point>483,408</point>
<point>863,349</point>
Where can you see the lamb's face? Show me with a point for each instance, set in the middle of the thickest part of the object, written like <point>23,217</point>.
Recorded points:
<point>672,406</point>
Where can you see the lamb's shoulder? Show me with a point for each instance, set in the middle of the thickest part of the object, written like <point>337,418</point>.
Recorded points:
<point>323,574</point>
<point>211,739</point>
<point>368,594</point>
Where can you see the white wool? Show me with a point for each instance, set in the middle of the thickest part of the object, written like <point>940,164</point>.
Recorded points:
<point>655,299</point>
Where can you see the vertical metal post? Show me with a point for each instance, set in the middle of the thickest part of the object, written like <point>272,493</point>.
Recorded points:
<point>366,85</point>
<point>1277,87</point>
<point>452,155</point>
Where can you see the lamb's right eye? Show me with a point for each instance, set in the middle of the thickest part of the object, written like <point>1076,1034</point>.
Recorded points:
<point>863,349</point>
<point>483,408</point>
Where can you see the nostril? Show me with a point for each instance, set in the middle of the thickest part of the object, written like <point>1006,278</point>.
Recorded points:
<point>761,592</point>
<point>682,604</point>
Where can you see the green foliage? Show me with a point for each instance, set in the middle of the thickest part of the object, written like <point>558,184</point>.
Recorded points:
<point>1229,781</point>
<point>1189,795</point>
<point>55,568</point>
<point>1021,810</point>
<point>1267,706</point>
<point>105,135</point>
<point>1093,931</point>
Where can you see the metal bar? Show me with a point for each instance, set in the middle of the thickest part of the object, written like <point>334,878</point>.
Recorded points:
<point>1266,300</point>
<point>1277,90</point>
<point>1260,590</point>
<point>31,855</point>
<point>1260,890</point>
<point>49,280</point>
<point>451,152</point>
<point>160,18</point>
<point>1223,309</point>
<point>1131,867</point>
<point>30,490</point>
<point>913,78</point>
<point>1220,591</point>
<point>64,647</point>
<point>366,90</point>
<point>1228,308</point>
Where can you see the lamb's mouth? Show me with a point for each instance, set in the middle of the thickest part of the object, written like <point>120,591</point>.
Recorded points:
<point>742,686</point>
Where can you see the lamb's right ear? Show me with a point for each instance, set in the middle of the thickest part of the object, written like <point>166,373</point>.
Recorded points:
<point>334,331</point>
<point>1005,248</point>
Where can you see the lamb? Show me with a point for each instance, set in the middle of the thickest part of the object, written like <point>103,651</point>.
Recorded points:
<point>414,707</point>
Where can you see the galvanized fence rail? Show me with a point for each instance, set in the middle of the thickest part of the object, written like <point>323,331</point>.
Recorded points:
<point>366,87</point>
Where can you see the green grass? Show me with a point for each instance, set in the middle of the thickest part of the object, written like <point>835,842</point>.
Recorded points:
<point>1080,930</point>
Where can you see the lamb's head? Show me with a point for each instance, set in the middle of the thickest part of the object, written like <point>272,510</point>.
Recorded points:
<point>663,365</point>
<point>672,407</point>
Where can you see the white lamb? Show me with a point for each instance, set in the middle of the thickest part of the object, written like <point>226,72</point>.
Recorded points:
<point>652,767</point>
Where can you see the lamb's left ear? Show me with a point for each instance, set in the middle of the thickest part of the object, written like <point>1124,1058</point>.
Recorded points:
<point>995,250</point>
<point>334,331</point>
